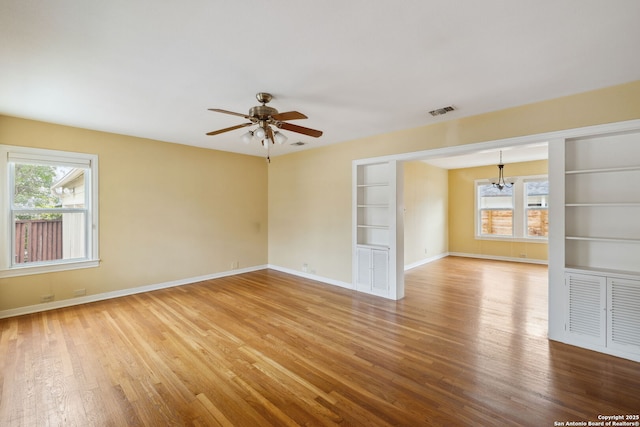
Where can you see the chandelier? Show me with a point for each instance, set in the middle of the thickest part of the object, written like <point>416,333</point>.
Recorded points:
<point>499,182</point>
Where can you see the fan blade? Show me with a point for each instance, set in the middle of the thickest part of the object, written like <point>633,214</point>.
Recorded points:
<point>289,115</point>
<point>216,132</point>
<point>217,110</point>
<point>299,129</point>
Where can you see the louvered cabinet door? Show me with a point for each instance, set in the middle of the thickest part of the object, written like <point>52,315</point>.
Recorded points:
<point>623,307</point>
<point>585,312</point>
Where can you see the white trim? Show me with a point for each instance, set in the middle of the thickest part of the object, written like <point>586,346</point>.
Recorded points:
<point>315,277</point>
<point>500,258</point>
<point>473,147</point>
<point>32,269</point>
<point>20,154</point>
<point>425,261</point>
<point>121,293</point>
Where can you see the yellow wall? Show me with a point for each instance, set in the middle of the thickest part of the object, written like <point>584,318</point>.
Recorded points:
<point>425,211</point>
<point>167,212</point>
<point>171,212</point>
<point>462,211</point>
<point>310,192</point>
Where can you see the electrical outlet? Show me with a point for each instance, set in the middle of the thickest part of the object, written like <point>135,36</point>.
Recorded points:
<point>305,267</point>
<point>47,298</point>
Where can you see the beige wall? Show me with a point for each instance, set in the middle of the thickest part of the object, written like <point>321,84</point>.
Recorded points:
<point>462,211</point>
<point>425,211</point>
<point>310,191</point>
<point>167,212</point>
<point>171,212</point>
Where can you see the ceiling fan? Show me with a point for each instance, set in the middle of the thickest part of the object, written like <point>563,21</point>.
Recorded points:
<point>265,118</point>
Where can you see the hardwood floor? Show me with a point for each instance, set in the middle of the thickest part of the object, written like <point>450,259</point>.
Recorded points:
<point>467,346</point>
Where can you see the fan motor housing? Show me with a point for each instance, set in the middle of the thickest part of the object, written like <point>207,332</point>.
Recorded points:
<point>262,112</point>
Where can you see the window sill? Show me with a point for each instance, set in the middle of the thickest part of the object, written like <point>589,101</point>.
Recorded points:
<point>513,239</point>
<point>48,268</point>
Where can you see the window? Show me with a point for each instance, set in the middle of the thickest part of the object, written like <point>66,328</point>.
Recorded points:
<point>496,210</point>
<point>49,211</point>
<point>519,212</point>
<point>537,208</point>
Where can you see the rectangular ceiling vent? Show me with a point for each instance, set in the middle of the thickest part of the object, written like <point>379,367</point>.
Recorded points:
<point>440,111</point>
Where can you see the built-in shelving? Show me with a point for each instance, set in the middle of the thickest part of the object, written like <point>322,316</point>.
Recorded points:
<point>602,203</point>
<point>599,240</point>
<point>373,199</point>
<point>376,244</point>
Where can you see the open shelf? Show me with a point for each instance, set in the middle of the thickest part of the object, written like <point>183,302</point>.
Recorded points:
<point>603,170</point>
<point>604,205</point>
<point>603,239</point>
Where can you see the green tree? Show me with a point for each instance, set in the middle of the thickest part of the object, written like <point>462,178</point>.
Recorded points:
<point>32,187</point>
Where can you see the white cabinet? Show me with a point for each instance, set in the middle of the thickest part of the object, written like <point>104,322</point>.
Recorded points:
<point>623,310</point>
<point>372,270</point>
<point>377,215</point>
<point>603,313</point>
<point>585,321</point>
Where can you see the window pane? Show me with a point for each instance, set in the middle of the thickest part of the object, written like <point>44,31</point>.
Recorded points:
<point>537,223</point>
<point>537,193</point>
<point>492,198</point>
<point>32,186</point>
<point>537,197</point>
<point>46,187</point>
<point>496,222</point>
<point>49,237</point>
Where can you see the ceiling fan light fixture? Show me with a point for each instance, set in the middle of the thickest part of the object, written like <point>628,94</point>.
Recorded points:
<point>259,133</point>
<point>247,137</point>
<point>268,120</point>
<point>280,137</point>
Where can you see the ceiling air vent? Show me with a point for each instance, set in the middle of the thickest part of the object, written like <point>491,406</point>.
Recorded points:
<point>299,143</point>
<point>440,111</point>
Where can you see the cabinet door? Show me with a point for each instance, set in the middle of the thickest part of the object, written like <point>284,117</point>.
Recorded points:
<point>380,276</point>
<point>363,272</point>
<point>586,308</point>
<point>623,306</point>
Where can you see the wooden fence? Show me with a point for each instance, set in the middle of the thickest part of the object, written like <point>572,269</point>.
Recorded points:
<point>38,240</point>
<point>500,223</point>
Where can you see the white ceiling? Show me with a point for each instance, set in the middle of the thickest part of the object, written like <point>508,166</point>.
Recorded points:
<point>515,154</point>
<point>355,68</point>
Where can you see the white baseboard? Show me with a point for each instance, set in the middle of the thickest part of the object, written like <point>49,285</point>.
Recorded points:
<point>121,293</point>
<point>312,276</point>
<point>425,261</point>
<point>500,258</point>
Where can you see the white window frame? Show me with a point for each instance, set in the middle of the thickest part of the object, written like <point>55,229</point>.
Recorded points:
<point>9,154</point>
<point>519,211</point>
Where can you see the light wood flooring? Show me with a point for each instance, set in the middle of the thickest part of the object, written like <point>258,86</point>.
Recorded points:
<point>467,346</point>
